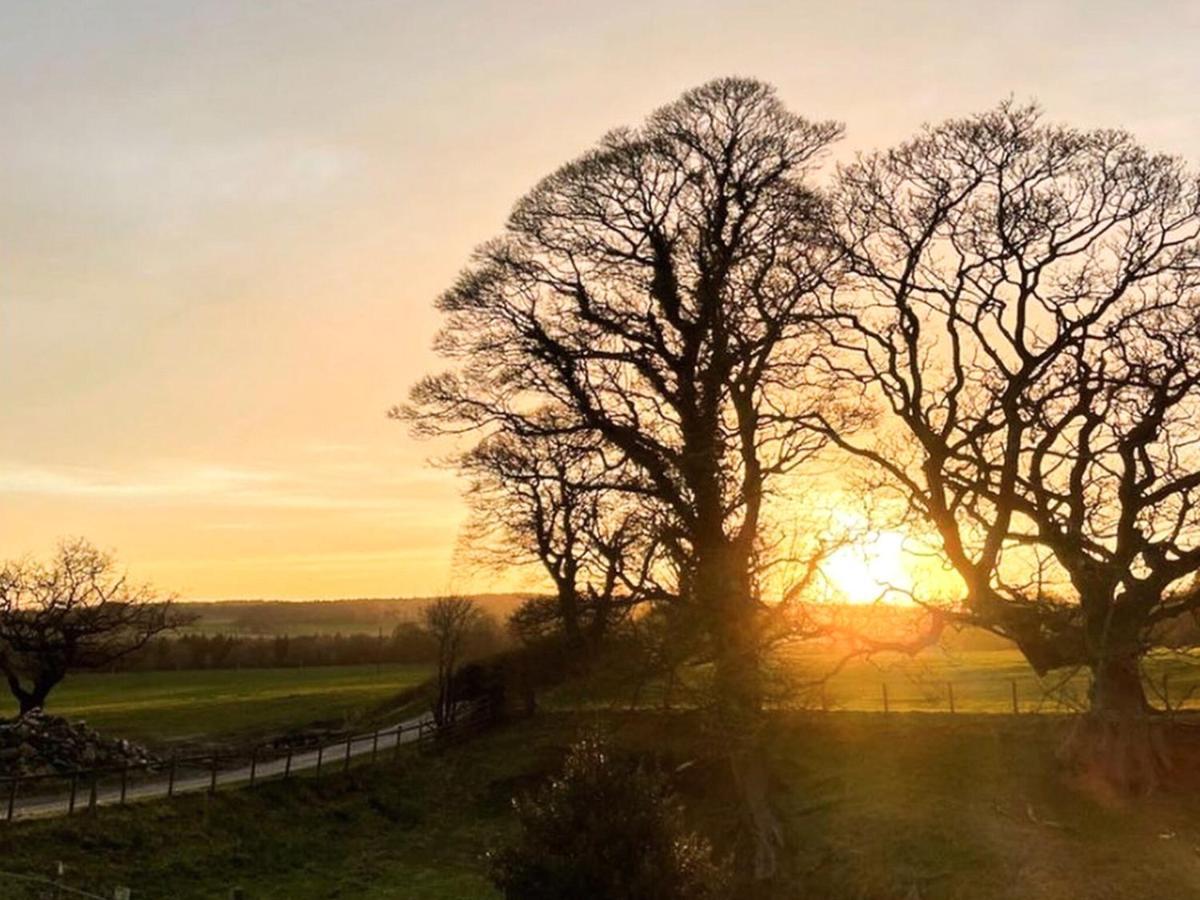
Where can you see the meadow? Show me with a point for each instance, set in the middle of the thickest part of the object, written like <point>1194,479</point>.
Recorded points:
<point>917,803</point>
<point>225,704</point>
<point>876,808</point>
<point>243,704</point>
<point>979,681</point>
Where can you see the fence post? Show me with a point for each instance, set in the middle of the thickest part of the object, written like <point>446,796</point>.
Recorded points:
<point>287,766</point>
<point>886,708</point>
<point>74,787</point>
<point>950,690</point>
<point>171,776</point>
<point>12,796</point>
<point>320,753</point>
<point>212,778</point>
<point>399,739</point>
<point>375,745</point>
<point>92,792</point>
<point>253,764</point>
<point>124,781</point>
<point>346,759</point>
<point>1016,707</point>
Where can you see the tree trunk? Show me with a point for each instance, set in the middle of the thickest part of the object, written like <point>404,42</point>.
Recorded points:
<point>30,701</point>
<point>1121,740</point>
<point>601,613</point>
<point>568,608</point>
<point>34,697</point>
<point>752,777</point>
<point>723,586</point>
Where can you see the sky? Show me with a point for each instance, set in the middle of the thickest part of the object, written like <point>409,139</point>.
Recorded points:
<point>223,226</point>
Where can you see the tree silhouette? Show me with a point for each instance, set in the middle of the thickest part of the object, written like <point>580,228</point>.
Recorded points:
<point>77,612</point>
<point>449,621</point>
<point>1020,304</point>
<point>659,291</point>
<point>545,498</point>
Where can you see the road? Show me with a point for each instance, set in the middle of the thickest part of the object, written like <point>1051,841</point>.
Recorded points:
<point>45,805</point>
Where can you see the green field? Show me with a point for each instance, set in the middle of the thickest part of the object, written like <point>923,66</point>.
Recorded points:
<point>908,806</point>
<point>225,704</point>
<point>241,704</point>
<point>982,681</point>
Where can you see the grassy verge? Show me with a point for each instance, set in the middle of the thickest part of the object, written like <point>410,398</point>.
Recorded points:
<point>416,828</point>
<point>875,808</point>
<point>225,704</point>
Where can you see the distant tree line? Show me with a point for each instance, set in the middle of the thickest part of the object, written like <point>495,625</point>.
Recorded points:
<point>352,615</point>
<point>408,642</point>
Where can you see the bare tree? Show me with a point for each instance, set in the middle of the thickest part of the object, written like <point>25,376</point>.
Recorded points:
<point>545,499</point>
<point>450,621</point>
<point>659,292</point>
<point>76,612</point>
<point>1021,307</point>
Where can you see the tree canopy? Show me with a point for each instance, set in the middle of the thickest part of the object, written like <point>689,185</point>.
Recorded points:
<point>75,612</point>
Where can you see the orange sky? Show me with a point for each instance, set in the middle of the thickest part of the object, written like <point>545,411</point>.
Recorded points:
<point>222,226</point>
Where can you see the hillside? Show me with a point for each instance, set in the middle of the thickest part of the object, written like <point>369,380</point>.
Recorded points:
<point>349,616</point>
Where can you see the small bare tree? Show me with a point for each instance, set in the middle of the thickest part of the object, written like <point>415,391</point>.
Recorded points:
<point>450,621</point>
<point>550,500</point>
<point>76,612</point>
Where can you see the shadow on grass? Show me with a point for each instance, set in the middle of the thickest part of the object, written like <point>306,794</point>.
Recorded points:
<point>903,806</point>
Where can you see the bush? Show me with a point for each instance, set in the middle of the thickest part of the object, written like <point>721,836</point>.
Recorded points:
<point>605,830</point>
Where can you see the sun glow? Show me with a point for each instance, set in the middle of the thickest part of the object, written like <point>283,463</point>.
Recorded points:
<point>877,568</point>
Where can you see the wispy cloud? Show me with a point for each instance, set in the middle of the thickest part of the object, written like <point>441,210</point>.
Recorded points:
<point>17,478</point>
<point>213,484</point>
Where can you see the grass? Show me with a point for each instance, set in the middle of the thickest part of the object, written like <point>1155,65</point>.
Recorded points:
<point>918,806</point>
<point>982,681</point>
<point>225,704</point>
<point>414,829</point>
<point>170,706</point>
<point>875,808</point>
<point>912,805</point>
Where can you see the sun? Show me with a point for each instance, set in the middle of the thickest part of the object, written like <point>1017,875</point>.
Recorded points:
<point>875,568</point>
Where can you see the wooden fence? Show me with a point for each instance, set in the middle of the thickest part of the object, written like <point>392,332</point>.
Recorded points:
<point>83,790</point>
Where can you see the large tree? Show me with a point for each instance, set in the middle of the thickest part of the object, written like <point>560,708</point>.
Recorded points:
<point>1021,306</point>
<point>75,612</point>
<point>659,292</point>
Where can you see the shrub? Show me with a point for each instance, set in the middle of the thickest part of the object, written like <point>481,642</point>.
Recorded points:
<point>608,830</point>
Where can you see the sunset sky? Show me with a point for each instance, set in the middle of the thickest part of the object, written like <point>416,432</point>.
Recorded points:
<point>222,227</point>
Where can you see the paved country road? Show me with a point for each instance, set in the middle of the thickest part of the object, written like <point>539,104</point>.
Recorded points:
<point>49,804</point>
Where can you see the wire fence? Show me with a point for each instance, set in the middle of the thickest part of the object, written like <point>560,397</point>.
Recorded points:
<point>48,795</point>
<point>980,695</point>
<point>57,888</point>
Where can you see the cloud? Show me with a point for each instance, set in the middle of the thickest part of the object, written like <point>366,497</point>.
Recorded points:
<point>16,478</point>
<point>211,484</point>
